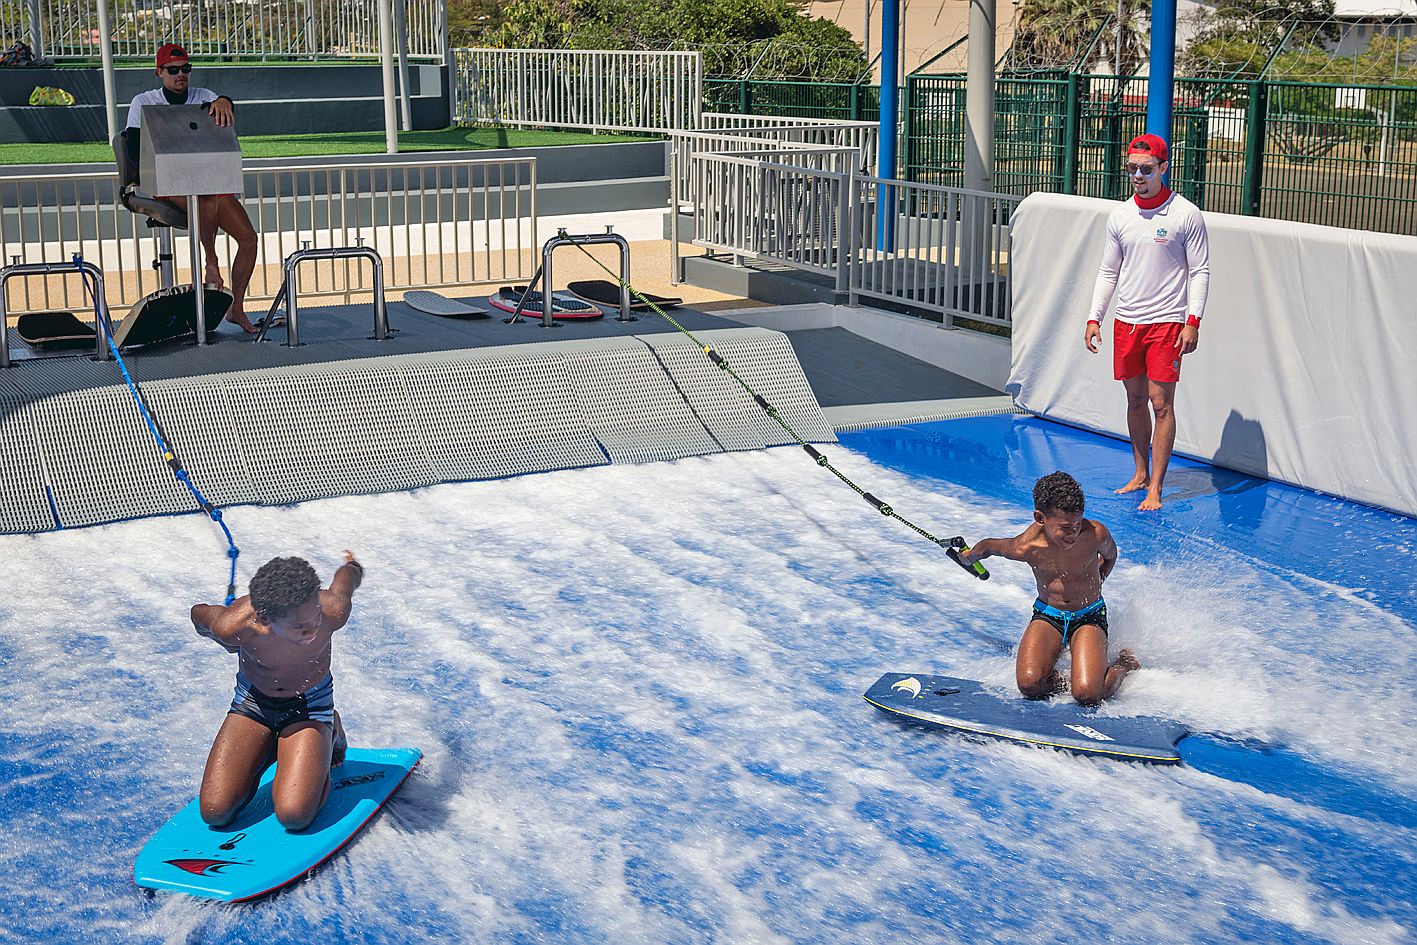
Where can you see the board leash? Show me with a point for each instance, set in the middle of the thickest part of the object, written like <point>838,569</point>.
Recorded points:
<point>954,547</point>
<point>164,443</point>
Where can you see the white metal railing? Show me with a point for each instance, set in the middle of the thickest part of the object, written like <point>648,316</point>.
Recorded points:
<point>942,249</point>
<point>268,29</point>
<point>927,247</point>
<point>788,213</point>
<point>436,223</point>
<point>861,136</point>
<point>602,90</point>
<point>687,146</point>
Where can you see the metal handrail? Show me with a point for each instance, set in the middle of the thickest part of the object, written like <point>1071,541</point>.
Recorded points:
<point>290,289</point>
<point>82,266</point>
<point>562,238</point>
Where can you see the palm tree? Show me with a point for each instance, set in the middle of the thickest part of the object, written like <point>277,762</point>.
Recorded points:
<point>1058,34</point>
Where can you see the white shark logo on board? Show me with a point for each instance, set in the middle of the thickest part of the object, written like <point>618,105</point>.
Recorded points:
<point>1091,733</point>
<point>911,685</point>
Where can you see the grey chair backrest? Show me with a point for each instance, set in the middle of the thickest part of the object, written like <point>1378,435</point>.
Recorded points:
<point>158,212</point>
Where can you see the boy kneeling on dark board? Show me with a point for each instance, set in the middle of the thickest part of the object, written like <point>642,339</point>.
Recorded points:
<point>1071,556</point>
<point>284,708</point>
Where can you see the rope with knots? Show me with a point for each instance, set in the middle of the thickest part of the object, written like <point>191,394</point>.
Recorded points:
<point>953,547</point>
<point>164,442</point>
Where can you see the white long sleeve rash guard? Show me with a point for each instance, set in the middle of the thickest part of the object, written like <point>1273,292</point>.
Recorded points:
<point>1156,261</point>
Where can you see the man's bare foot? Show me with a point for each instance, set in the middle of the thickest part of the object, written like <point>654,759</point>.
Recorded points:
<point>1137,482</point>
<point>341,743</point>
<point>213,277</point>
<point>240,320</point>
<point>1126,662</point>
<point>1057,683</point>
<point>1151,503</point>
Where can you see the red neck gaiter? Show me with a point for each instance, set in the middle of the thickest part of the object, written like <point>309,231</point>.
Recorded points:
<point>1151,203</point>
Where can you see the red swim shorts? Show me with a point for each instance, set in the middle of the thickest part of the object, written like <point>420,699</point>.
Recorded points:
<point>1146,349</point>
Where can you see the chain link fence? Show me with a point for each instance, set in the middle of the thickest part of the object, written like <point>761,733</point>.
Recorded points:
<point>1327,153</point>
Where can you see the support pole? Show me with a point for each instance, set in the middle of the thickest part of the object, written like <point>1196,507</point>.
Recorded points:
<point>890,111</point>
<point>386,58</point>
<point>110,85</point>
<point>975,215</point>
<point>445,52</point>
<point>36,21</point>
<point>890,82</point>
<point>199,288</point>
<point>1162,79</point>
<point>979,99</point>
<point>401,48</point>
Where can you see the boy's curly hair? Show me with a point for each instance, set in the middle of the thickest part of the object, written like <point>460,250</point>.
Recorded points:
<point>1058,492</point>
<point>281,585</point>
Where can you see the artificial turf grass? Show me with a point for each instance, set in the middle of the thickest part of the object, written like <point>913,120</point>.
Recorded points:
<point>350,142</point>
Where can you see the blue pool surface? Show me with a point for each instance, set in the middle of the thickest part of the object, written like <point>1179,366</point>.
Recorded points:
<point>638,694</point>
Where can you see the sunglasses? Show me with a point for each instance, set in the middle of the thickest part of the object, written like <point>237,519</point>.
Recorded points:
<point>1145,170</point>
<point>179,70</point>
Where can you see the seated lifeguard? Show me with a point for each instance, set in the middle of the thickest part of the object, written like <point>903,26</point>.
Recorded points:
<point>219,211</point>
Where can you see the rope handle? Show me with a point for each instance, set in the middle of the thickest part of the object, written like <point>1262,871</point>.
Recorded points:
<point>956,548</point>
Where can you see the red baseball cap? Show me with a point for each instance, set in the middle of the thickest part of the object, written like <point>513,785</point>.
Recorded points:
<point>1148,144</point>
<point>168,52</point>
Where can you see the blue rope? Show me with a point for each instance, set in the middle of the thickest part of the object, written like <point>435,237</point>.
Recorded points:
<point>168,455</point>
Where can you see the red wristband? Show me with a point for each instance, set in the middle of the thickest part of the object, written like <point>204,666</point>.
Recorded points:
<point>1093,321</point>
<point>1192,322</point>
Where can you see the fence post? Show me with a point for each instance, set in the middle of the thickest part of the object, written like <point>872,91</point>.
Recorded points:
<point>1071,122</point>
<point>745,100</point>
<point>908,171</point>
<point>856,101</point>
<point>1255,112</point>
<point>1197,155</point>
<point>1112,149</point>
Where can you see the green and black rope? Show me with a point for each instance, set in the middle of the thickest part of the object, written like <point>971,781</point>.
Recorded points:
<point>954,547</point>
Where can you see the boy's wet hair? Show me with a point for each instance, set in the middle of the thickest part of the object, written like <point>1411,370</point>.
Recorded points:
<point>1058,492</point>
<point>281,585</point>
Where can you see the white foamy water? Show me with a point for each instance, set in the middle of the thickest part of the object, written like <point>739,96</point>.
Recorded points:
<point>638,692</point>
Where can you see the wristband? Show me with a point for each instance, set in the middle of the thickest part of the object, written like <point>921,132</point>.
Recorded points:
<point>1192,321</point>
<point>1093,321</point>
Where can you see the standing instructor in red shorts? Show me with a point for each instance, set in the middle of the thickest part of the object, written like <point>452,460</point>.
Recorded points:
<point>1157,263</point>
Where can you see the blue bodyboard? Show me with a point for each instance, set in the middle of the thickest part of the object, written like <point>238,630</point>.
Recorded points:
<point>255,855</point>
<point>965,706</point>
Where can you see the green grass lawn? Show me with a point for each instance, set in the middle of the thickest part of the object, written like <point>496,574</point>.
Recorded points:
<point>354,142</point>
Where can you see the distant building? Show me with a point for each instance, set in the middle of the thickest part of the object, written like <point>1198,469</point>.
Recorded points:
<point>927,28</point>
<point>1362,21</point>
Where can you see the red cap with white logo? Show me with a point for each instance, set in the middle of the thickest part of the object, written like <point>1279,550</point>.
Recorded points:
<point>1148,144</point>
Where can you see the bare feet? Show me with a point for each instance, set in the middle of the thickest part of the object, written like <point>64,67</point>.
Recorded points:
<point>1137,482</point>
<point>1057,683</point>
<point>1151,503</point>
<point>240,320</point>
<point>341,743</point>
<point>1126,662</point>
<point>213,276</point>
